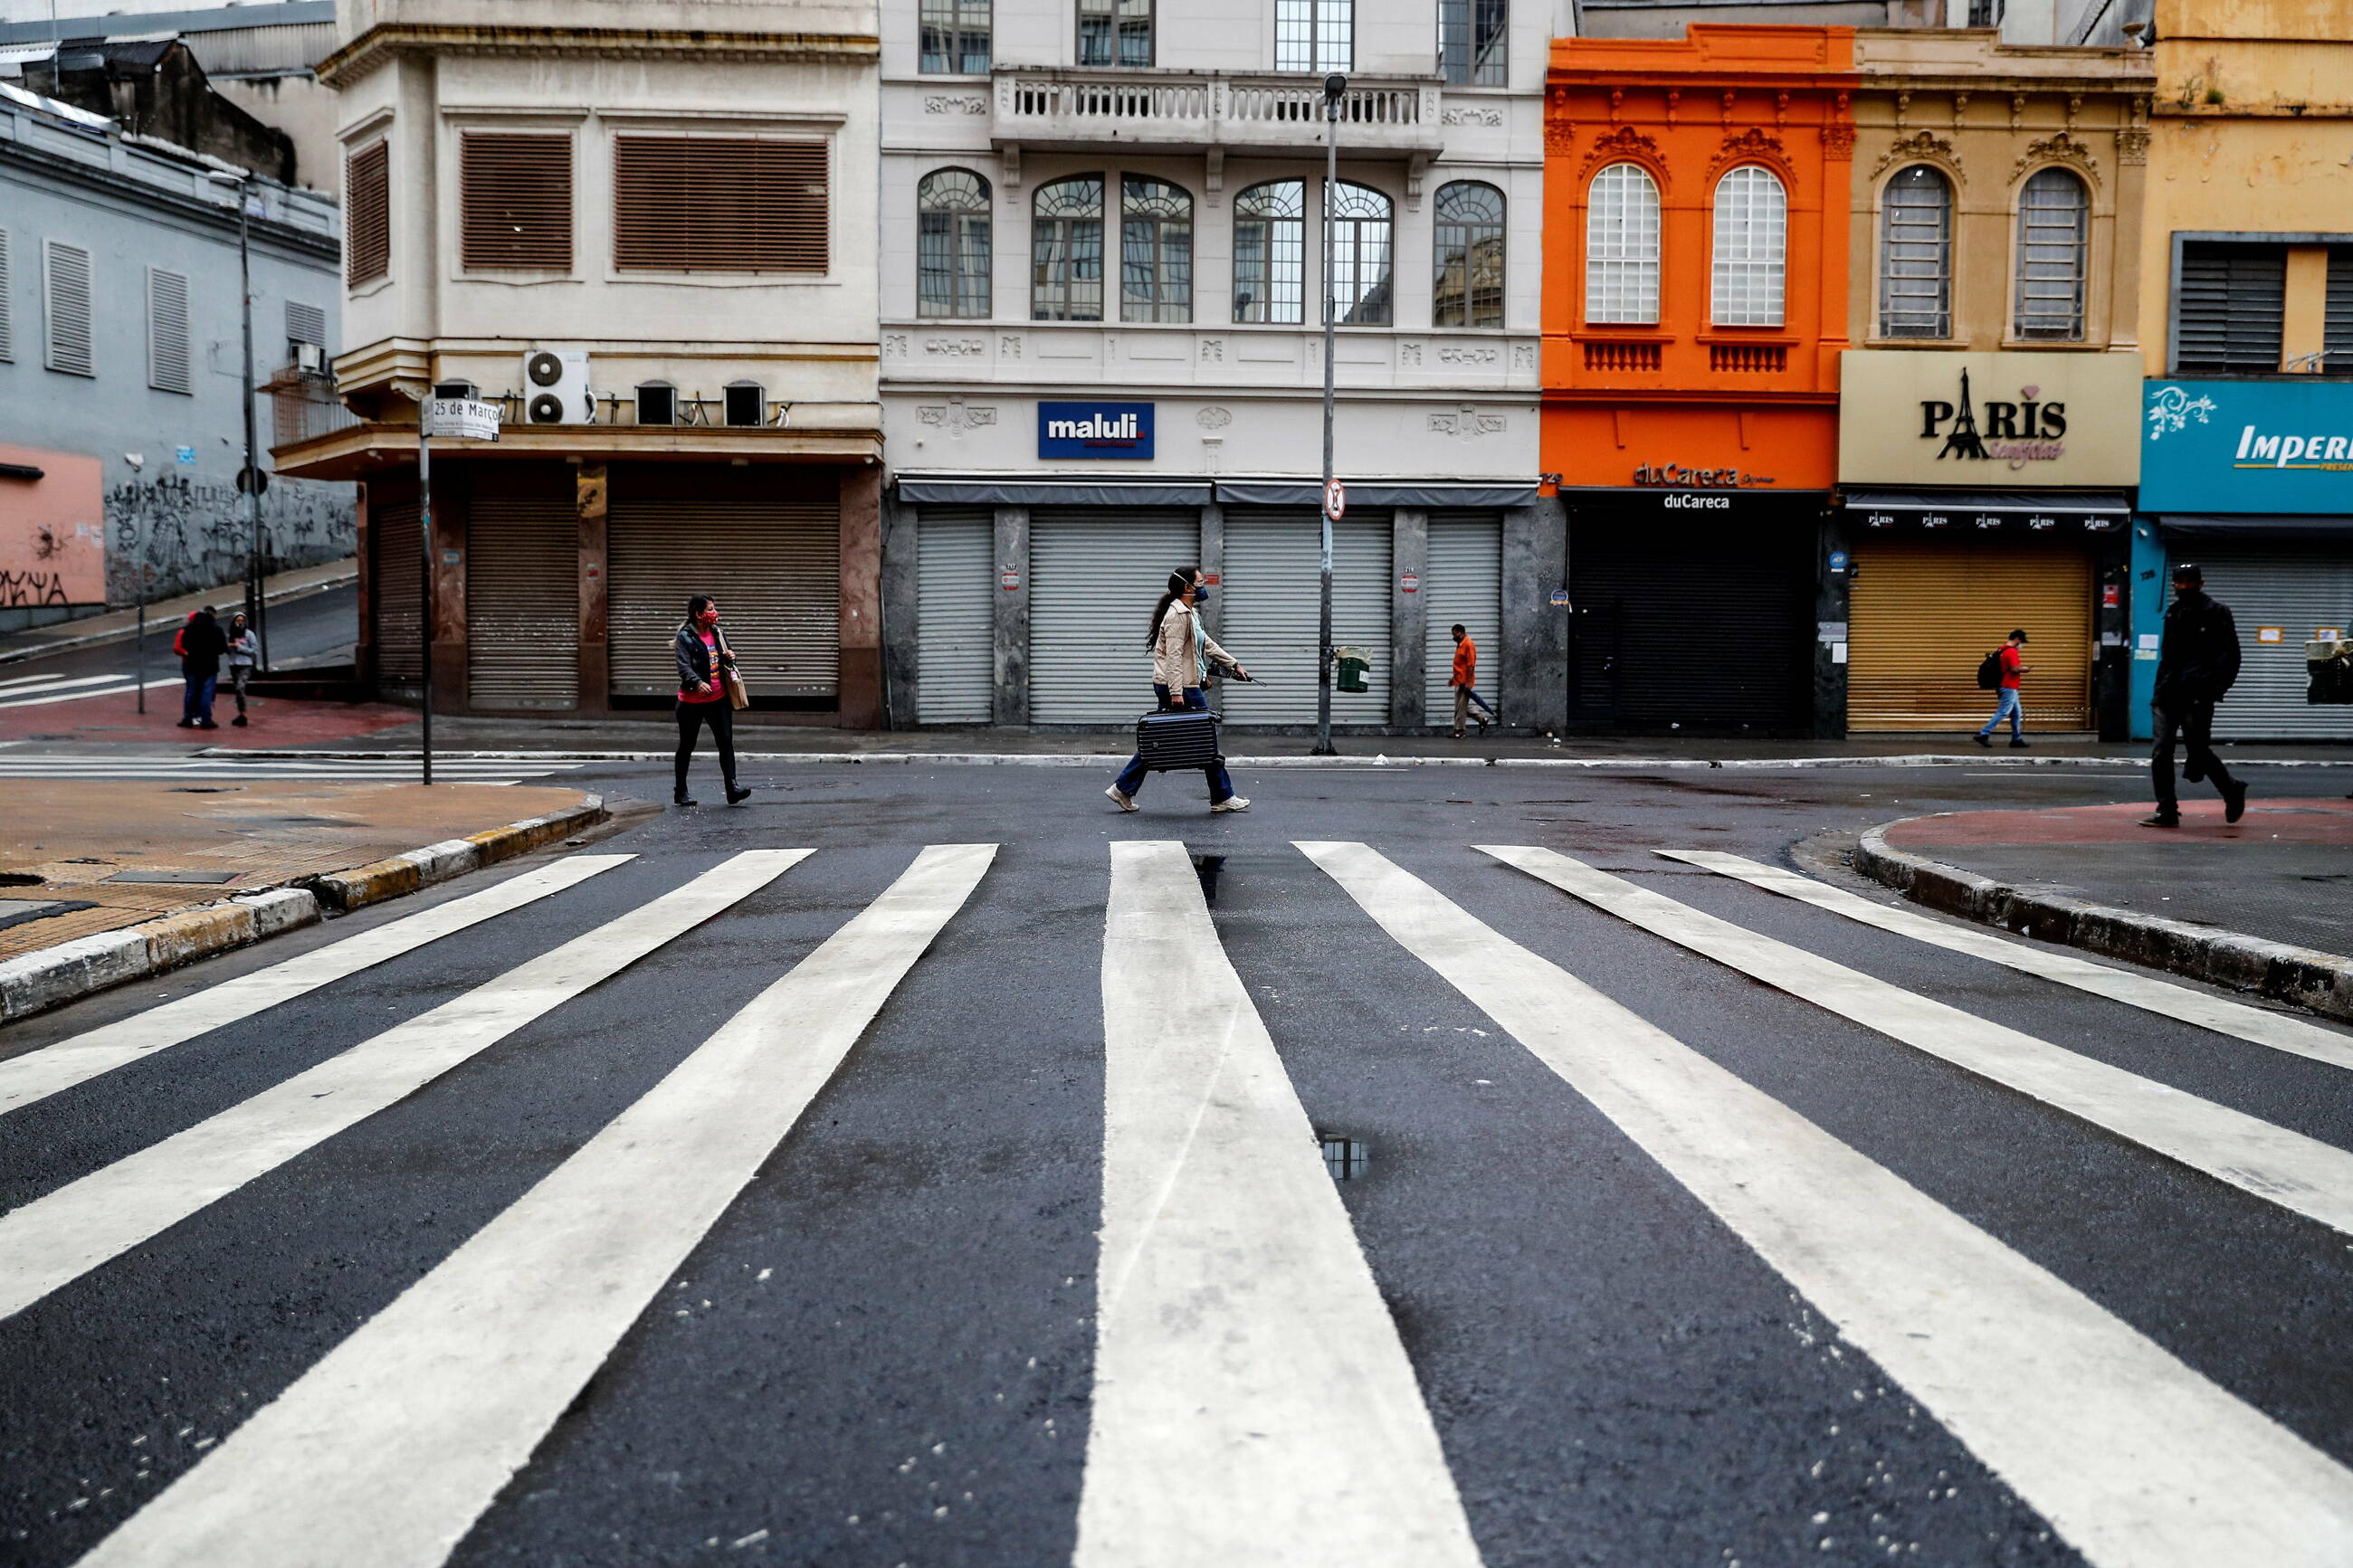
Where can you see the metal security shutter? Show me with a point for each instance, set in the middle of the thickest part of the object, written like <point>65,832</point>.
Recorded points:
<point>396,566</point>
<point>367,213</point>
<point>2232,307</point>
<point>765,543</point>
<point>522,588</point>
<point>711,204</point>
<point>1274,562</point>
<point>514,204</point>
<point>1925,612</point>
<point>1691,625</point>
<point>2298,589</point>
<point>956,614</point>
<point>1464,583</point>
<point>2337,325</point>
<point>1093,579</point>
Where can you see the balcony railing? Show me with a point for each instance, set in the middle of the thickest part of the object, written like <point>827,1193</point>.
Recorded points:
<point>1196,113</point>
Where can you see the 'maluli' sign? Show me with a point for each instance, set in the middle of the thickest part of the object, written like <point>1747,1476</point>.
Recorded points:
<point>2247,446</point>
<point>1122,430</point>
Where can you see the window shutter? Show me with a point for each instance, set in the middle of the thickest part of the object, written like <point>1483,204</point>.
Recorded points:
<point>515,202</point>
<point>66,309</point>
<point>699,203</point>
<point>2337,336</point>
<point>168,350</point>
<point>2234,299</point>
<point>367,188</point>
<point>305,324</point>
<point>7,303</point>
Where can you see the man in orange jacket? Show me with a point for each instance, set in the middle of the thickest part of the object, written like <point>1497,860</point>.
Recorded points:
<point>1466,671</point>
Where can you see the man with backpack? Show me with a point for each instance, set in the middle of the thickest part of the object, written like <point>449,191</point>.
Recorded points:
<point>2000,672</point>
<point>200,644</point>
<point>2199,662</point>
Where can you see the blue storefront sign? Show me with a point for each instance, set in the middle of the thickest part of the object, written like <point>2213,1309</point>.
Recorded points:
<point>2247,446</point>
<point>1118,430</point>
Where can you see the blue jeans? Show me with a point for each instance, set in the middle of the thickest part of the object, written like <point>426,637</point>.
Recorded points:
<point>2006,709</point>
<point>1131,777</point>
<point>196,701</point>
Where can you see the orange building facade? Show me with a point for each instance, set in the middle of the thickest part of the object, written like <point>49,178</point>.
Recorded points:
<point>1696,199</point>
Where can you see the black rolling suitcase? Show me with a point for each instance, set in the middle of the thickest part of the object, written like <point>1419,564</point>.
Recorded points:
<point>1178,737</point>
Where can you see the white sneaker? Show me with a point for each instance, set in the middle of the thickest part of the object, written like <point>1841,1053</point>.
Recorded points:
<point>1231,803</point>
<point>1124,802</point>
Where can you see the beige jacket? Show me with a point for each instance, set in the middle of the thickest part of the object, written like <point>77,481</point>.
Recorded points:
<point>1178,650</point>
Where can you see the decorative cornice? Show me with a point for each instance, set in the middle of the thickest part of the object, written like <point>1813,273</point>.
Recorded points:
<point>1753,146</point>
<point>379,46</point>
<point>1921,145</point>
<point>1624,142</point>
<point>1837,142</point>
<point>2132,144</point>
<point>2059,147</point>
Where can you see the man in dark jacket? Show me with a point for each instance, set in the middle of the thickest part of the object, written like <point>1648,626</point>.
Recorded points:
<point>2200,661</point>
<point>201,644</point>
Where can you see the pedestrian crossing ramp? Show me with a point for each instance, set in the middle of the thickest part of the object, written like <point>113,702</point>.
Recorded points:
<point>1253,1401</point>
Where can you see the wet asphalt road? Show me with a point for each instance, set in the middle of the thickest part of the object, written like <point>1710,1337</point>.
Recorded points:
<point>883,1351</point>
<point>316,628</point>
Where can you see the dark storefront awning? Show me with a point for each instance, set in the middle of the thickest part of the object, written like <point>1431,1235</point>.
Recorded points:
<point>1007,490</point>
<point>2261,525</point>
<point>1377,492</point>
<point>2024,511</point>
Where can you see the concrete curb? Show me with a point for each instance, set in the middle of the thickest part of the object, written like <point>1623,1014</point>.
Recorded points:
<point>1115,759</point>
<point>125,634</point>
<point>2301,976</point>
<point>37,981</point>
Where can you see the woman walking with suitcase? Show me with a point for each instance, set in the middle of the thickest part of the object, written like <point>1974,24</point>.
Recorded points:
<point>1181,656</point>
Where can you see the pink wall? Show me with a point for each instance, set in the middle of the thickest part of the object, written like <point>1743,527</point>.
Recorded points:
<point>52,530</point>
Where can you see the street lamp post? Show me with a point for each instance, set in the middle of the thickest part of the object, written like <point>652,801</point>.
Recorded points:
<point>249,479</point>
<point>1336,88</point>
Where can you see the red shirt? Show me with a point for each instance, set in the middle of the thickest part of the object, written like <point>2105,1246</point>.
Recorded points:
<point>2009,662</point>
<point>717,691</point>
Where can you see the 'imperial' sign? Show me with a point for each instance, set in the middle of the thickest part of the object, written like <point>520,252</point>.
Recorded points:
<point>2247,446</point>
<point>1121,430</point>
<point>2013,421</point>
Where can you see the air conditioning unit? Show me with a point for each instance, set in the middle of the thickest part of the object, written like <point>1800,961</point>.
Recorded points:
<point>309,358</point>
<point>555,388</point>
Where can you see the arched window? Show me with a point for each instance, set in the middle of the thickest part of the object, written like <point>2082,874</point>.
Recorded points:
<point>1469,287</point>
<point>1621,246</point>
<point>1752,248</point>
<point>1156,251</point>
<point>2054,227</point>
<point>1066,251</point>
<point>1269,251</point>
<point>1359,229</point>
<point>951,247</point>
<point>1915,255</point>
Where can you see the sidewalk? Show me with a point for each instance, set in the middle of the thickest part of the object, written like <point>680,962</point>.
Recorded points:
<point>163,616</point>
<point>66,848</point>
<point>114,718</point>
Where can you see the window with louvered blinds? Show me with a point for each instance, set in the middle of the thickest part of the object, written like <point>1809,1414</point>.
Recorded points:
<point>2337,337</point>
<point>367,193</point>
<point>711,204</point>
<point>515,201</point>
<point>168,348</point>
<point>2229,308</point>
<point>7,299</point>
<point>64,311</point>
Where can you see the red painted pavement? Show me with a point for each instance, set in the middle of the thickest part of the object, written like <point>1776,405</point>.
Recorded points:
<point>2326,821</point>
<point>276,721</point>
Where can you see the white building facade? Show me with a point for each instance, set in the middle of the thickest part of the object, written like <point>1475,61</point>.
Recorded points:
<point>1102,242</point>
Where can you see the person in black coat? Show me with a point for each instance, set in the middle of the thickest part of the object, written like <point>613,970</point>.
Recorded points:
<point>2198,661</point>
<point>704,662</point>
<point>200,646</point>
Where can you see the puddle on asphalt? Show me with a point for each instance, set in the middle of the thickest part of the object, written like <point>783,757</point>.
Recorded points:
<point>1346,1157</point>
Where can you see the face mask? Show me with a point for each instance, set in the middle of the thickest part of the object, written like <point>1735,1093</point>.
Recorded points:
<point>1200,597</point>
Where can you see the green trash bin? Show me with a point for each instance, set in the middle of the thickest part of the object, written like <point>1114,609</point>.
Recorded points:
<point>1354,667</point>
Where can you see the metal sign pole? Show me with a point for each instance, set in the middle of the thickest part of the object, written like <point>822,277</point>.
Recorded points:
<point>1335,87</point>
<point>425,582</point>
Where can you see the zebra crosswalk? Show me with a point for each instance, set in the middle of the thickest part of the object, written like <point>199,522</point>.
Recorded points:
<point>1260,1389</point>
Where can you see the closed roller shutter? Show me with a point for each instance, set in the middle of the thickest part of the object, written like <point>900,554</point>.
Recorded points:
<point>1272,571</point>
<point>1925,612</point>
<point>2298,589</point>
<point>1696,625</point>
<point>765,543</point>
<point>1464,583</point>
<point>1093,579</point>
<point>522,588</point>
<point>955,612</point>
<point>395,563</point>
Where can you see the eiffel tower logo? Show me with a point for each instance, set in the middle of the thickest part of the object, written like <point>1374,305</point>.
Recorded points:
<point>1963,441</point>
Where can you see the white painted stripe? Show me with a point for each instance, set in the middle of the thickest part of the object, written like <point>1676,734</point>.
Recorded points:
<point>26,683</point>
<point>126,687</point>
<point>384,1453</point>
<point>2300,1173</point>
<point>39,1074</point>
<point>57,1237</point>
<point>2218,1014</point>
<point>1252,1402</point>
<point>2137,1460</point>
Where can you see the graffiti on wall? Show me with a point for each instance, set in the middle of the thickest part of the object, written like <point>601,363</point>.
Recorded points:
<point>52,530</point>
<point>180,536</point>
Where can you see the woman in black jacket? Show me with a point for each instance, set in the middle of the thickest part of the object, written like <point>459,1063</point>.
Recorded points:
<point>703,662</point>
